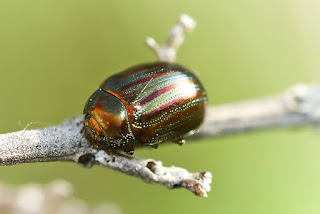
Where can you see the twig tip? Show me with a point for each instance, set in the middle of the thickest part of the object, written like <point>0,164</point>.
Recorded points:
<point>188,22</point>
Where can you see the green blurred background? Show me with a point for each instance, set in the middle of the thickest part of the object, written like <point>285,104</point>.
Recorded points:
<point>54,54</point>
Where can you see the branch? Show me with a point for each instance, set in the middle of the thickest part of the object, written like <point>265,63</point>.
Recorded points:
<point>64,142</point>
<point>299,105</point>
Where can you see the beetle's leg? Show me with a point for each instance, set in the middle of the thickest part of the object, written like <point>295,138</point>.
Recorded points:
<point>83,122</point>
<point>82,130</point>
<point>80,123</point>
<point>129,149</point>
<point>179,141</point>
<point>112,153</point>
<point>155,146</point>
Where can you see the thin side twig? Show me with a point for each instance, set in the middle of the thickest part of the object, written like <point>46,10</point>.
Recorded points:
<point>168,51</point>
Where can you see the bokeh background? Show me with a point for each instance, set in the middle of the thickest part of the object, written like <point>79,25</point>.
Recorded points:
<point>55,53</point>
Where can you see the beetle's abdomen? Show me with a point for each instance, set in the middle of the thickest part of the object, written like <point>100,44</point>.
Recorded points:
<point>166,101</point>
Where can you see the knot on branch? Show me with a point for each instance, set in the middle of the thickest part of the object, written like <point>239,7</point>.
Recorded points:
<point>304,99</point>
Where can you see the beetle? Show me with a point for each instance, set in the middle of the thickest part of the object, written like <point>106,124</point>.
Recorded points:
<point>144,105</point>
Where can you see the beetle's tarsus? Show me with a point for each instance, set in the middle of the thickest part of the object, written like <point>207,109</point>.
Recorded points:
<point>82,130</point>
<point>80,123</point>
<point>129,150</point>
<point>179,141</point>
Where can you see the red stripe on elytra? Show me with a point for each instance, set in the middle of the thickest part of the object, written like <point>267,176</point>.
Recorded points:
<point>165,106</point>
<point>171,103</point>
<point>158,93</point>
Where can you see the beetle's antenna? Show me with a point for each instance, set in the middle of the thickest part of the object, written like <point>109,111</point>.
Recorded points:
<point>142,90</point>
<point>36,122</point>
<point>168,52</point>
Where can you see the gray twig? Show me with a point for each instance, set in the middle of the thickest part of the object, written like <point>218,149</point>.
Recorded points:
<point>64,142</point>
<point>299,105</point>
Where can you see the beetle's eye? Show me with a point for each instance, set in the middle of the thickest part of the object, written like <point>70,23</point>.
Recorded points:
<point>87,116</point>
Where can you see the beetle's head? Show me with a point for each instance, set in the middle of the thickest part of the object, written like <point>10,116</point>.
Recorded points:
<point>106,124</point>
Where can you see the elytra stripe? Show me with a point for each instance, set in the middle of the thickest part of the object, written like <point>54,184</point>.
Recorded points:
<point>142,80</point>
<point>167,114</point>
<point>185,90</point>
<point>158,93</point>
<point>145,70</point>
<point>182,117</point>
<point>160,80</point>
<point>165,106</point>
<point>174,101</point>
<point>142,68</point>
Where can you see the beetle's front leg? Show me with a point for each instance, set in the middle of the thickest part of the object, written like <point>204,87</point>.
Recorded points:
<point>179,141</point>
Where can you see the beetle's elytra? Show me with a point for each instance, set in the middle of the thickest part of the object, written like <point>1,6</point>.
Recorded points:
<point>144,105</point>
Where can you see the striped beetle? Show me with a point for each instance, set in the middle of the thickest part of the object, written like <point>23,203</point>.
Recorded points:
<point>144,105</point>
